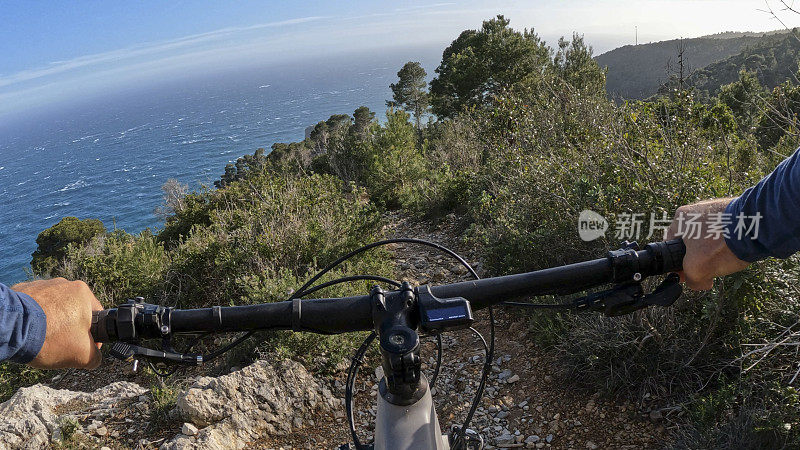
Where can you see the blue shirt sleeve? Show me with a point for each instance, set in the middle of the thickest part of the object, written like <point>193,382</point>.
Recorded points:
<point>22,326</point>
<point>776,200</point>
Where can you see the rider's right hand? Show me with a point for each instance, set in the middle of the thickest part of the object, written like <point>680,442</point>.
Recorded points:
<point>68,306</point>
<point>706,257</point>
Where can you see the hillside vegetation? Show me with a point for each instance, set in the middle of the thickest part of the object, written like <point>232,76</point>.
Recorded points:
<point>522,139</point>
<point>638,71</point>
<point>772,59</point>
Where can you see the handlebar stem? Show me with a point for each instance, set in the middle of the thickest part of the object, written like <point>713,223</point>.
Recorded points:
<point>396,318</point>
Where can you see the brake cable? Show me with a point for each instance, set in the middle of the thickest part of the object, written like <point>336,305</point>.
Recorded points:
<point>352,371</point>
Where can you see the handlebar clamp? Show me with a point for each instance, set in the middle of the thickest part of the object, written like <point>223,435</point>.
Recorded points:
<point>625,262</point>
<point>131,322</point>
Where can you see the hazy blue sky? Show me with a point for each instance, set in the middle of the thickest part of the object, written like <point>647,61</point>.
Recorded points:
<point>56,50</point>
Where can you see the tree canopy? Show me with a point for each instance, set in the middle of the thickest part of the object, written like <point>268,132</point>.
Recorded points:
<point>481,63</point>
<point>410,92</point>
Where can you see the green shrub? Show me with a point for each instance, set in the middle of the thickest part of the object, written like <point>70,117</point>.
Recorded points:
<point>53,242</point>
<point>68,427</point>
<point>15,376</point>
<point>164,396</point>
<point>396,165</point>
<point>267,234</point>
<point>119,266</point>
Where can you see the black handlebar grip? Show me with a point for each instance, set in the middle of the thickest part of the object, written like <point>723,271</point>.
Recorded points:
<point>100,322</point>
<point>668,255</point>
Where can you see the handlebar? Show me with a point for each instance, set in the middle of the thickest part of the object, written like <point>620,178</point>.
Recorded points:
<point>129,323</point>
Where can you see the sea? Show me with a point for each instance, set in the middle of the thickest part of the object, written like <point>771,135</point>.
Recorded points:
<point>108,158</point>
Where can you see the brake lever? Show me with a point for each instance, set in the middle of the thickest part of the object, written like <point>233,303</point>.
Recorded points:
<point>130,352</point>
<point>665,293</point>
<point>629,297</point>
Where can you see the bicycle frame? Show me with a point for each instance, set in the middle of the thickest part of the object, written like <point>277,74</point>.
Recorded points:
<point>411,426</point>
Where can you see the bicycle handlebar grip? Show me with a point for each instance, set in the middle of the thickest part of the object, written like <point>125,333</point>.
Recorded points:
<point>668,255</point>
<point>99,329</point>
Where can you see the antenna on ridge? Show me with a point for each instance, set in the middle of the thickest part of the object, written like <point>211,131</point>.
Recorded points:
<point>636,27</point>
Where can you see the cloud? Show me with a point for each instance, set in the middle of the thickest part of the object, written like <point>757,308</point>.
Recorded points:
<point>149,49</point>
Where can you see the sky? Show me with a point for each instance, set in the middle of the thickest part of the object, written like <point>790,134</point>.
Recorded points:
<point>56,51</point>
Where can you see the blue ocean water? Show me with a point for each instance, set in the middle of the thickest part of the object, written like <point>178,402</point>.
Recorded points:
<point>108,159</point>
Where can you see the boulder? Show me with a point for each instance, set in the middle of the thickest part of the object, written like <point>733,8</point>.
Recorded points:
<point>28,419</point>
<point>261,399</point>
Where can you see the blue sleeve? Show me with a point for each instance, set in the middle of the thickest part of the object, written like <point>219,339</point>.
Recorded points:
<point>776,199</point>
<point>22,326</point>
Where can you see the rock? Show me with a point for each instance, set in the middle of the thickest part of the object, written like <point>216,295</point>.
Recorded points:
<point>591,445</point>
<point>504,439</point>
<point>105,448</point>
<point>504,374</point>
<point>189,429</point>
<point>513,379</point>
<point>29,418</point>
<point>101,431</point>
<point>502,414</point>
<point>549,438</point>
<point>656,416</point>
<point>241,407</point>
<point>532,439</point>
<point>92,427</point>
<point>458,269</point>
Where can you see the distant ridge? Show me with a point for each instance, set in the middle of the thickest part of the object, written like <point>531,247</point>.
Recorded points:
<point>774,59</point>
<point>637,71</point>
<point>737,34</point>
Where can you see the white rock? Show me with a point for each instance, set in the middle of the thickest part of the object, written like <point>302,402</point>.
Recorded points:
<point>241,407</point>
<point>29,418</point>
<point>189,429</point>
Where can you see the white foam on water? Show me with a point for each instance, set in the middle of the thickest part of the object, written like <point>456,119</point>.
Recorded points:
<point>72,186</point>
